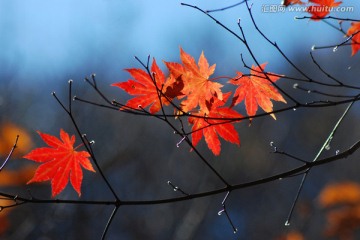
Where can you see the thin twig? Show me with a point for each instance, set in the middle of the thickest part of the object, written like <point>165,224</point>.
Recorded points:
<point>10,153</point>
<point>224,210</point>
<point>177,189</point>
<point>225,8</point>
<point>111,218</point>
<point>244,41</point>
<point>325,145</point>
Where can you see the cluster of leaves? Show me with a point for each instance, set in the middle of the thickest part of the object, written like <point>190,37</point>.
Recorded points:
<point>191,91</point>
<point>201,97</point>
<point>320,9</point>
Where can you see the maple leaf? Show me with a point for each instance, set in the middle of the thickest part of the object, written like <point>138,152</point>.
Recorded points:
<point>355,41</point>
<point>60,162</point>
<point>198,88</point>
<point>211,128</point>
<point>144,89</point>
<point>256,90</point>
<point>291,2</point>
<point>322,8</point>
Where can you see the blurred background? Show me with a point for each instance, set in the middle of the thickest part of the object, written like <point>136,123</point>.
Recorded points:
<point>44,44</point>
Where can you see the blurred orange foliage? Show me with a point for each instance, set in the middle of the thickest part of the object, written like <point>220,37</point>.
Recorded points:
<point>340,193</point>
<point>11,178</point>
<point>8,133</point>
<point>3,217</point>
<point>292,235</point>
<point>342,202</point>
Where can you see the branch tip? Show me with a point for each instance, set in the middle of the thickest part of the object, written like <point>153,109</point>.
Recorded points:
<point>221,212</point>
<point>176,188</point>
<point>181,140</point>
<point>272,144</point>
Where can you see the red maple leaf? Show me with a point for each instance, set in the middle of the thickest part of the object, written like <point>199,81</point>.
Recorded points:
<point>256,90</point>
<point>355,41</point>
<point>198,88</point>
<point>291,2</point>
<point>60,162</point>
<point>322,8</point>
<point>144,89</point>
<point>211,128</point>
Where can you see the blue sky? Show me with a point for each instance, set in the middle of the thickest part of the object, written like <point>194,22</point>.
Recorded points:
<point>43,39</point>
<point>44,44</point>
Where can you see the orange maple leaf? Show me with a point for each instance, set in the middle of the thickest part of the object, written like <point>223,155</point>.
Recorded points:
<point>355,41</point>
<point>256,90</point>
<point>145,90</point>
<point>198,88</point>
<point>60,162</point>
<point>321,9</point>
<point>211,128</point>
